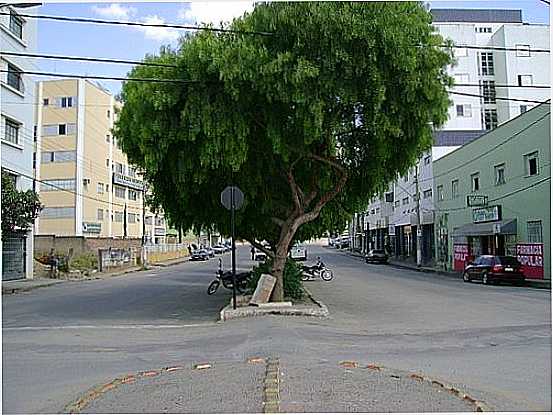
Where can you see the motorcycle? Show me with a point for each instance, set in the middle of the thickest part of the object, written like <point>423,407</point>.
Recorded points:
<point>310,272</point>
<point>225,278</point>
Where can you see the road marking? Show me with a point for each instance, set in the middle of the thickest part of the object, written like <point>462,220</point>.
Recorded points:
<point>92,327</point>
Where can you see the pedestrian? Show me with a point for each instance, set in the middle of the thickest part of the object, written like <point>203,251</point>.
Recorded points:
<point>189,250</point>
<point>253,253</point>
<point>53,261</point>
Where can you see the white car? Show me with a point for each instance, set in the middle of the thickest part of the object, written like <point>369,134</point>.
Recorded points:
<point>298,252</point>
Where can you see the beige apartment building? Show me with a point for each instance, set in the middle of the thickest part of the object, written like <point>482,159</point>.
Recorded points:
<point>84,179</point>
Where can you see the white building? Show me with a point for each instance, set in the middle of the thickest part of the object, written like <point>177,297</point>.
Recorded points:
<point>493,73</point>
<point>17,34</point>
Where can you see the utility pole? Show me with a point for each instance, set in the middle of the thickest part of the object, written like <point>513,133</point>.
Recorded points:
<point>419,221</point>
<point>144,214</point>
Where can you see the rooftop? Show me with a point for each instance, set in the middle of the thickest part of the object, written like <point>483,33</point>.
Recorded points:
<point>476,15</point>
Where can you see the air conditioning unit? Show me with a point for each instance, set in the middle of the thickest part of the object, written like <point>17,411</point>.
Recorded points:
<point>86,182</point>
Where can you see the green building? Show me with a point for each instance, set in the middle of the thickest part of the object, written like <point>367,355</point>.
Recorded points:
<point>493,196</point>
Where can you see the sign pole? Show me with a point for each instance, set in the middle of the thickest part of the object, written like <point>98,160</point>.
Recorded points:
<point>233,250</point>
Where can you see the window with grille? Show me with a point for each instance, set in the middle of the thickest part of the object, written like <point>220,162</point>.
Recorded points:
<point>119,168</point>
<point>486,63</point>
<point>14,77</point>
<point>499,174</point>
<point>11,131</point>
<point>464,110</point>
<point>490,119</point>
<point>66,102</point>
<point>534,231</point>
<point>488,91</point>
<point>118,217</point>
<point>132,217</point>
<point>440,190</point>
<point>16,25</point>
<point>119,191</point>
<point>454,189</point>
<point>57,212</point>
<point>427,194</point>
<point>100,214</point>
<point>57,184</point>
<point>58,156</point>
<point>100,188</point>
<point>133,194</point>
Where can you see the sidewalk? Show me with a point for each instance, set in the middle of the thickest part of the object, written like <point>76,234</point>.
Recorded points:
<point>545,284</point>
<point>12,287</point>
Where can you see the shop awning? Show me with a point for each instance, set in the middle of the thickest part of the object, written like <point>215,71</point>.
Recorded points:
<point>507,227</point>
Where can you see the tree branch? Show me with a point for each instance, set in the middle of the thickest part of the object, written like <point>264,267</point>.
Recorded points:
<point>277,221</point>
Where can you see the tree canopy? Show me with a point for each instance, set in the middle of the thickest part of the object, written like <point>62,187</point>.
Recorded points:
<point>310,121</point>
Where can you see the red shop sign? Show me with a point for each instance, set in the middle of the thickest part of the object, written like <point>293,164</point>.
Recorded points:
<point>531,258</point>
<point>460,254</point>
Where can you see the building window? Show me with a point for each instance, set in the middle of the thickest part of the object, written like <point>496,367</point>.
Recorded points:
<point>490,119</point>
<point>483,29</point>
<point>107,162</point>
<point>488,90</point>
<point>59,184</point>
<point>34,159</point>
<point>133,194</point>
<point>440,190</point>
<point>11,131</point>
<point>14,77</point>
<point>132,217</point>
<point>454,189</point>
<point>427,160</point>
<point>66,102</point>
<point>107,188</point>
<point>57,212</point>
<point>464,110</point>
<point>148,220</point>
<point>118,217</point>
<point>58,156</point>
<point>475,180</point>
<point>396,203</point>
<point>119,191</point>
<point>525,80</point>
<point>523,51</point>
<point>535,231</point>
<point>16,25</point>
<point>100,188</point>
<point>486,63</point>
<point>62,129</point>
<point>160,221</point>
<point>131,171</point>
<point>499,174</point>
<point>107,141</point>
<point>523,109</point>
<point>427,194</point>
<point>109,113</point>
<point>119,168</point>
<point>45,102</point>
<point>531,161</point>
<point>100,214</point>
<point>405,201</point>
<point>460,52</point>
<point>59,129</point>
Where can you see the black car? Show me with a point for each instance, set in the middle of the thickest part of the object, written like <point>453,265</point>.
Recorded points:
<point>199,255</point>
<point>376,255</point>
<point>492,269</point>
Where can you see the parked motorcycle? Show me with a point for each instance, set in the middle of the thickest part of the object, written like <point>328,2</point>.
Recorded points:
<point>225,278</point>
<point>310,272</point>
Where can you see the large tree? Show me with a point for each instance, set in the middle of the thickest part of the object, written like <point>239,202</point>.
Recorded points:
<point>19,208</point>
<point>309,121</point>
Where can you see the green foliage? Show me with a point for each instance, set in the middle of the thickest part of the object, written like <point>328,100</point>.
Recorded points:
<point>292,278</point>
<point>356,83</point>
<point>19,208</point>
<point>84,262</point>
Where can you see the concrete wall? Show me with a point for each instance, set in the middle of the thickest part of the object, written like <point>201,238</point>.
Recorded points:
<point>80,244</point>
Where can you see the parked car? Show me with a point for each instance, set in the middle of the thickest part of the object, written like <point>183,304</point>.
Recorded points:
<point>493,269</point>
<point>299,253</point>
<point>376,255</point>
<point>342,242</point>
<point>199,255</point>
<point>219,249</point>
<point>259,256</point>
<point>210,251</point>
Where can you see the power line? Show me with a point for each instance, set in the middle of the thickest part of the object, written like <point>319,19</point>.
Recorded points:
<point>88,59</point>
<point>108,78</point>
<point>139,24</point>
<point>545,1</point>
<point>498,48</point>
<point>498,98</point>
<point>507,86</point>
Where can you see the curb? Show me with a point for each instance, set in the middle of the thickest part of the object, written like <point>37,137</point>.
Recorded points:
<point>271,387</point>
<point>15,290</point>
<point>228,313</point>
<point>170,264</point>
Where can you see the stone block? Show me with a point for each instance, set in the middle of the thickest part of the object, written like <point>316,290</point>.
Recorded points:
<point>263,291</point>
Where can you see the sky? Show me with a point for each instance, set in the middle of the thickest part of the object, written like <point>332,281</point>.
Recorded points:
<point>132,43</point>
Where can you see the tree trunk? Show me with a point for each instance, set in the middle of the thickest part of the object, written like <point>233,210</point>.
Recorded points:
<point>278,272</point>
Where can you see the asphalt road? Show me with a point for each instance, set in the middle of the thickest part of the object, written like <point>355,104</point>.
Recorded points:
<point>492,341</point>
